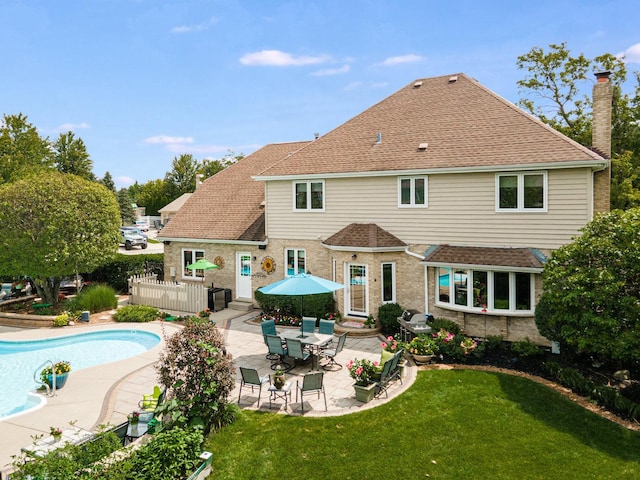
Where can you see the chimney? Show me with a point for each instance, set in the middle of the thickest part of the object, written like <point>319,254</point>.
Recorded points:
<point>601,139</point>
<point>198,179</point>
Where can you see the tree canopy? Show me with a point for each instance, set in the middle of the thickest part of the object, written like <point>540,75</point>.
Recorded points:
<point>55,225</point>
<point>71,156</point>
<point>591,299</point>
<point>22,150</point>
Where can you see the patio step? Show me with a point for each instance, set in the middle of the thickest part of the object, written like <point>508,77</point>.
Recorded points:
<point>241,304</point>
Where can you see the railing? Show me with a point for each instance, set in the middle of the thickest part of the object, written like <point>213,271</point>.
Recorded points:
<point>180,297</point>
<point>51,390</point>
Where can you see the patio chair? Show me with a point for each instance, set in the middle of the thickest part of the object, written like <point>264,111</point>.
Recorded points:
<point>382,381</point>
<point>296,351</point>
<point>251,378</point>
<point>331,353</point>
<point>308,325</point>
<point>394,371</point>
<point>326,326</point>
<point>311,382</point>
<point>269,328</point>
<point>150,401</point>
<point>279,352</point>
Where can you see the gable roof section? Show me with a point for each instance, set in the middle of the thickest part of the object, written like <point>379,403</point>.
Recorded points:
<point>364,236</point>
<point>176,204</point>
<point>519,258</point>
<point>465,125</point>
<point>229,205</point>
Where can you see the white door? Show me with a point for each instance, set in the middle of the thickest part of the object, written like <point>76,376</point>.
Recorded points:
<point>243,275</point>
<point>358,290</point>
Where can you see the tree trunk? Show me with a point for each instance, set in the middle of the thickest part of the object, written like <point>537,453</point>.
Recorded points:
<point>48,289</point>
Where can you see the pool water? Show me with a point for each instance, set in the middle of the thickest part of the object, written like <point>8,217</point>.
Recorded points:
<point>19,361</point>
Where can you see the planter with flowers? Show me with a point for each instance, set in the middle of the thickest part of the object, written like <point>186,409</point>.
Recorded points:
<point>61,371</point>
<point>423,348</point>
<point>362,371</point>
<point>56,433</point>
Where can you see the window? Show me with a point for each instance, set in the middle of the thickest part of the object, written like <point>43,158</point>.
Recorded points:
<point>412,192</point>
<point>388,282</point>
<point>492,291</point>
<point>189,257</point>
<point>521,192</point>
<point>309,196</point>
<point>296,261</point>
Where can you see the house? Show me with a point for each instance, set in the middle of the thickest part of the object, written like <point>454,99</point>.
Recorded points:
<point>171,208</point>
<point>443,197</point>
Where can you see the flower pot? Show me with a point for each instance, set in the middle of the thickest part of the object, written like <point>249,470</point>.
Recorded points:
<point>57,438</point>
<point>365,394</point>
<point>422,358</point>
<point>61,379</point>
<point>278,381</point>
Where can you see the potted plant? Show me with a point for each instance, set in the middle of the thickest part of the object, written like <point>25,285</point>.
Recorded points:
<point>133,417</point>
<point>56,433</point>
<point>362,371</point>
<point>423,348</point>
<point>278,377</point>
<point>61,371</point>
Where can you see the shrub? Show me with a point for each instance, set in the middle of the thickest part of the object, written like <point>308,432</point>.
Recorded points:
<point>198,375</point>
<point>526,348</point>
<point>94,298</point>
<point>61,320</point>
<point>314,305</point>
<point>439,323</point>
<point>117,272</point>
<point>136,313</point>
<point>388,317</point>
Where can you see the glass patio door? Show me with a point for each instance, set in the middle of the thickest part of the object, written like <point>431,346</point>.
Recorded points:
<point>358,295</point>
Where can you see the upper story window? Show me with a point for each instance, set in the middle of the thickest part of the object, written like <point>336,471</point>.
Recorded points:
<point>521,192</point>
<point>189,257</point>
<point>296,261</point>
<point>308,196</point>
<point>412,192</point>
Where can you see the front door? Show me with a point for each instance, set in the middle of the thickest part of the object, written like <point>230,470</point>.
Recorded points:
<point>243,275</point>
<point>358,290</point>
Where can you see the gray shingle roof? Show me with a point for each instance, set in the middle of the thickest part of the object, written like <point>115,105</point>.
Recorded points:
<point>229,205</point>
<point>504,257</point>
<point>364,235</point>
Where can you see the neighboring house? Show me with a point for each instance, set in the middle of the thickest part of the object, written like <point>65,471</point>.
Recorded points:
<point>170,209</point>
<point>443,197</point>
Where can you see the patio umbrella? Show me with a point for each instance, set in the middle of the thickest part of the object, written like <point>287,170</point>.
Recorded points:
<point>202,264</point>
<point>300,285</point>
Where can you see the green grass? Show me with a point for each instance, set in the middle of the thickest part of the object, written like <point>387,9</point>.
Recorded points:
<point>450,424</point>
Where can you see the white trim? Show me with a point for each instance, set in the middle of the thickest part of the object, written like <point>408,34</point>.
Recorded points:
<point>183,267</point>
<point>308,209</point>
<point>495,268</point>
<point>520,208</point>
<point>412,192</point>
<point>295,260</point>
<point>393,282</point>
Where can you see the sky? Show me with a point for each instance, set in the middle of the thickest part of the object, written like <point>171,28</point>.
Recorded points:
<point>144,81</point>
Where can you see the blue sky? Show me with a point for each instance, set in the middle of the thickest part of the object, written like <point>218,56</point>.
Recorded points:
<point>142,81</point>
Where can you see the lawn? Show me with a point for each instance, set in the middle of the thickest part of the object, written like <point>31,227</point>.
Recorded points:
<point>450,424</point>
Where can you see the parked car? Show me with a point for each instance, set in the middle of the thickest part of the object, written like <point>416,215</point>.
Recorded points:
<point>142,225</point>
<point>71,284</point>
<point>135,230</point>
<point>129,239</point>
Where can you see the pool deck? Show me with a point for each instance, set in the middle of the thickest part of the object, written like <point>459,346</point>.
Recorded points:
<point>107,393</point>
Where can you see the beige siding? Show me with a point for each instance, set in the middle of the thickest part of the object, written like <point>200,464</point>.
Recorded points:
<point>461,211</point>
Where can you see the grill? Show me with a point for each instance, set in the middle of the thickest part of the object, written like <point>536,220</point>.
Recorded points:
<point>412,323</point>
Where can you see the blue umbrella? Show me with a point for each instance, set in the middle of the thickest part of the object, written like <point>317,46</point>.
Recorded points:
<point>301,284</point>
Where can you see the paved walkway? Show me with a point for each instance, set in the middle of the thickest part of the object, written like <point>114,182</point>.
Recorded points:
<point>108,393</point>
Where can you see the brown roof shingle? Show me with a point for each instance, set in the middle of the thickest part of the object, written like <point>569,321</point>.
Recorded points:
<point>503,257</point>
<point>364,235</point>
<point>464,124</point>
<point>229,205</point>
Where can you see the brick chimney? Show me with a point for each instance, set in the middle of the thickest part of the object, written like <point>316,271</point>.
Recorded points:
<point>199,179</point>
<point>601,139</point>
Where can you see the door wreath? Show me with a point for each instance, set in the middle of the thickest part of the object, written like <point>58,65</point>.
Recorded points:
<point>268,265</point>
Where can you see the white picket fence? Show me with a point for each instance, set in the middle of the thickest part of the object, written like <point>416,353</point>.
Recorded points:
<point>179,297</point>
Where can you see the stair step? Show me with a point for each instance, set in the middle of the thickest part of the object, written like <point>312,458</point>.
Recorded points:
<point>241,305</point>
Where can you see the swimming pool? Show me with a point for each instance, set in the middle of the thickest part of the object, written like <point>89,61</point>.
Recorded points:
<point>20,359</point>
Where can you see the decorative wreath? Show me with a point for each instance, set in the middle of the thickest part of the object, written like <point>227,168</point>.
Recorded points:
<point>219,261</point>
<point>268,264</point>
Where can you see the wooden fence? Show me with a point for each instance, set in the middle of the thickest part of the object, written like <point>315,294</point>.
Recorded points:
<point>178,297</point>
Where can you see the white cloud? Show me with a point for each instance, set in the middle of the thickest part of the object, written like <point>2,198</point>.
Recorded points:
<point>400,60</point>
<point>331,71</point>
<point>631,54</point>
<point>198,27</point>
<point>164,139</point>
<point>123,181</point>
<point>67,127</point>
<point>280,59</point>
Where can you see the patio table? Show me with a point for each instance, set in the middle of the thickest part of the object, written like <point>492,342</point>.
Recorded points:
<point>313,340</point>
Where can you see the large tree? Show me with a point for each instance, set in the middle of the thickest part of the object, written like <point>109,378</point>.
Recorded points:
<point>71,156</point>
<point>557,90</point>
<point>182,176</point>
<point>591,299</point>
<point>55,225</point>
<point>22,150</point>
<point>209,167</point>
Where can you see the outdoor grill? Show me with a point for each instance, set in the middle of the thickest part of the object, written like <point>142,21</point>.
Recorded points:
<point>412,323</point>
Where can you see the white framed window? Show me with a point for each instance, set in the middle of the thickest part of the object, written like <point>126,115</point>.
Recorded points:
<point>190,256</point>
<point>308,196</point>
<point>486,291</point>
<point>412,191</point>
<point>521,192</point>
<point>388,284</point>
<point>296,261</point>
